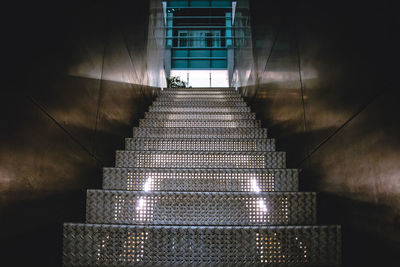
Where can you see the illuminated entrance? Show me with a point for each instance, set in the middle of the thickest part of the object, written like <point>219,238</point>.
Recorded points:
<point>199,41</point>
<point>203,78</point>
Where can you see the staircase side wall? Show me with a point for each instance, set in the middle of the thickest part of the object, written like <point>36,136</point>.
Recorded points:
<point>77,83</point>
<point>337,121</point>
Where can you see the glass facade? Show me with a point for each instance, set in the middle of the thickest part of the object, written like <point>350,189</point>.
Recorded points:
<point>199,34</point>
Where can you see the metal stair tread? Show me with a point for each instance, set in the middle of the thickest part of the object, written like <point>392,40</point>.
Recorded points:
<point>209,159</point>
<point>189,132</point>
<point>200,208</point>
<point>199,124</point>
<point>260,144</point>
<point>191,109</point>
<point>201,179</point>
<point>230,104</point>
<point>176,245</point>
<point>200,183</point>
<point>199,116</point>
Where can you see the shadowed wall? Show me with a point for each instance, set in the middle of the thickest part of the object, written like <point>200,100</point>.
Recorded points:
<point>79,79</point>
<point>322,83</point>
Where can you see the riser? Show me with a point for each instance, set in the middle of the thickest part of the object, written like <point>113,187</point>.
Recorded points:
<point>199,96</point>
<point>200,109</point>
<point>167,133</point>
<point>114,245</point>
<point>199,91</point>
<point>188,159</point>
<point>200,100</point>
<point>230,104</point>
<point>183,208</point>
<point>233,145</point>
<point>199,124</point>
<point>206,180</point>
<point>200,116</point>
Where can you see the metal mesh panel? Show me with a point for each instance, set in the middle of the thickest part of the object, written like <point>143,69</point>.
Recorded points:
<point>200,144</point>
<point>200,116</point>
<point>200,160</point>
<point>209,101</point>
<point>216,98</point>
<point>112,245</point>
<point>199,104</point>
<point>198,92</point>
<point>199,109</point>
<point>165,133</point>
<point>207,180</point>
<point>199,95</point>
<point>188,159</point>
<point>199,124</point>
<point>199,208</point>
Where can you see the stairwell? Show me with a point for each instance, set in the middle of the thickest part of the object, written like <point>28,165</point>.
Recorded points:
<point>199,183</point>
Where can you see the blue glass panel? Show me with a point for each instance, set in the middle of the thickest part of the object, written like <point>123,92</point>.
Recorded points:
<point>199,53</point>
<point>199,64</point>
<point>219,53</point>
<point>219,64</point>
<point>221,3</point>
<point>200,3</point>
<point>179,53</point>
<point>179,64</point>
<point>178,3</point>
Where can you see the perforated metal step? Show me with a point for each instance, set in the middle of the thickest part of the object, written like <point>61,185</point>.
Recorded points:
<point>235,145</point>
<point>209,101</point>
<point>199,91</point>
<point>200,97</point>
<point>191,159</point>
<point>230,104</point>
<point>212,99</point>
<point>197,180</point>
<point>199,124</point>
<point>200,208</point>
<point>121,245</point>
<point>200,116</point>
<point>221,133</point>
<point>199,109</point>
<point>200,184</point>
<point>199,94</point>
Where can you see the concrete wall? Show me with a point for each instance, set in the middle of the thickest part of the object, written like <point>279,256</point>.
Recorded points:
<point>78,79</point>
<point>323,83</point>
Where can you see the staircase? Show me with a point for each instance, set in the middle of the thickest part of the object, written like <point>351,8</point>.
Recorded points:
<point>200,184</point>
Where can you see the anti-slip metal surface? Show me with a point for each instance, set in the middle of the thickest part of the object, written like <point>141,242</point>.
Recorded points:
<point>200,184</point>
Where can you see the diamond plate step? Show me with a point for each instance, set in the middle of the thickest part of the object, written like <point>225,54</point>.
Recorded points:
<point>200,184</point>
<point>199,91</point>
<point>200,116</point>
<point>207,180</point>
<point>200,94</point>
<point>217,98</point>
<point>190,159</point>
<point>209,101</point>
<point>236,145</point>
<point>121,245</point>
<point>199,109</point>
<point>166,133</point>
<point>199,124</point>
<point>202,97</point>
<point>230,104</point>
<point>200,208</point>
